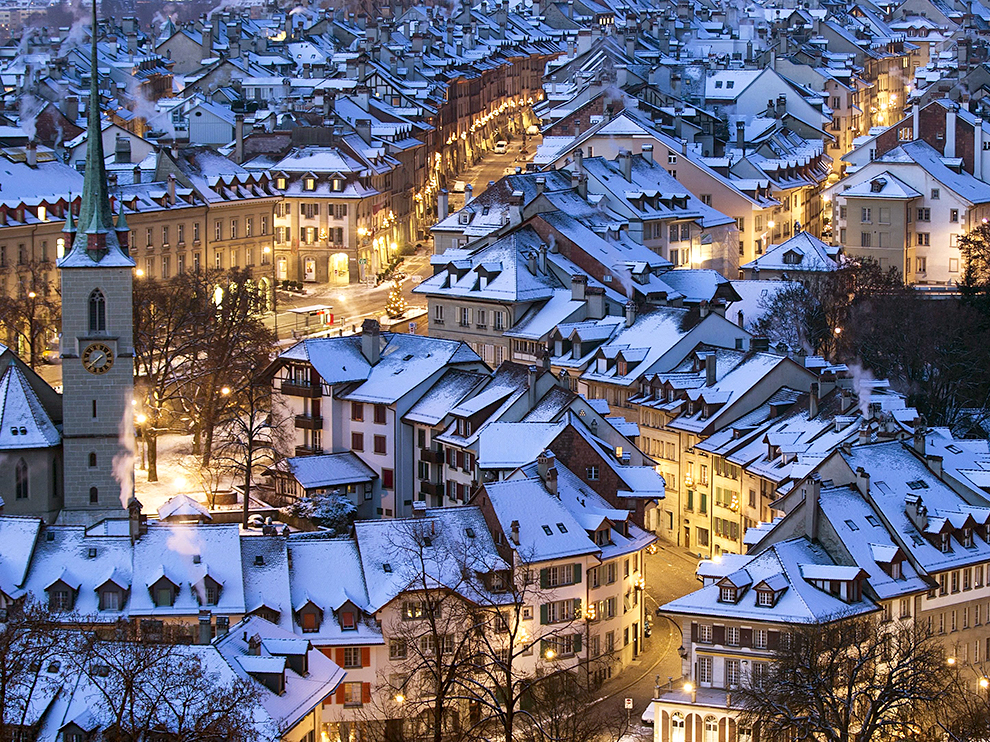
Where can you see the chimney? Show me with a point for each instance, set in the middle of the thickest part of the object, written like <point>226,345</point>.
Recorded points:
<point>531,388</point>
<point>579,160</point>
<point>684,145</point>
<point>171,189</point>
<point>541,257</point>
<point>625,165</point>
<point>515,208</point>
<point>137,174</point>
<point>205,634</point>
<point>468,193</point>
<point>371,347</point>
<point>630,313</point>
<point>72,108</point>
<point>811,491</point>
<point>443,205</point>
<point>950,133</point>
<point>978,148</point>
<point>920,437</point>
<point>419,509</point>
<point>206,49</point>
<point>239,138</point>
<point>863,481</point>
<point>703,309</point>
<point>541,185</point>
<point>813,401</point>
<point>711,369</point>
<point>363,128</point>
<point>781,106</point>
<point>741,136</point>
<point>596,302</point>
<point>134,519</point>
<point>531,262</point>
<point>648,153</point>
<point>254,646</point>
<point>122,150</point>
<point>545,462</point>
<point>31,150</point>
<point>515,532</point>
<point>915,122</point>
<point>579,283</point>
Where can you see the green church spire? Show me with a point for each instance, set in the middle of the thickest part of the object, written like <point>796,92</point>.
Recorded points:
<point>95,215</point>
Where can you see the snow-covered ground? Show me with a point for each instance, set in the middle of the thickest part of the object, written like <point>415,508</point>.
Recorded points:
<point>178,473</point>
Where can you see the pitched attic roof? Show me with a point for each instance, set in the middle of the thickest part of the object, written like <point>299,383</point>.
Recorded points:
<point>24,422</point>
<point>812,254</point>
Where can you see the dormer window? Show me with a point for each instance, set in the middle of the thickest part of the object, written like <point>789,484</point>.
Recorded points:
<point>280,183</point>
<point>967,537</point>
<point>764,598</point>
<point>895,571</point>
<point>60,599</point>
<point>945,546</point>
<point>348,621</point>
<point>877,185</point>
<point>309,183</point>
<point>727,595</point>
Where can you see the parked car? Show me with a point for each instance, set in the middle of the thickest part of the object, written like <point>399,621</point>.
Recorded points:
<point>501,147</point>
<point>460,186</point>
<point>532,130</point>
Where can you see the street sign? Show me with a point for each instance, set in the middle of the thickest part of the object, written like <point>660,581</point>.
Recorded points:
<point>412,327</point>
<point>629,703</point>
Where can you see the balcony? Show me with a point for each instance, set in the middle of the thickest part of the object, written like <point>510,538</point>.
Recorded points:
<point>430,456</point>
<point>309,422</point>
<point>430,488</point>
<point>308,450</point>
<point>300,389</point>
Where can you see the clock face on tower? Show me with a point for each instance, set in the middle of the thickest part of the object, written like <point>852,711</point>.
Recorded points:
<point>97,358</point>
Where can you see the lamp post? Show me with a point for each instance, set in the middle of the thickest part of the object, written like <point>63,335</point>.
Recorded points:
<point>268,251</point>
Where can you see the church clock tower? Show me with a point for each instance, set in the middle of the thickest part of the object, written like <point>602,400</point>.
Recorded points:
<point>97,341</point>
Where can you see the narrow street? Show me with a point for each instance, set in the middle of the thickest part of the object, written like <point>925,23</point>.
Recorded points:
<point>670,573</point>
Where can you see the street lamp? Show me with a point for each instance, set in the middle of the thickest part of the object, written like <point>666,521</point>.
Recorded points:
<point>225,391</point>
<point>268,251</point>
<point>141,419</point>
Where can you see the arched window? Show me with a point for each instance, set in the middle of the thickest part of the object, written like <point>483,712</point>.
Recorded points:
<point>21,479</point>
<point>711,729</point>
<point>94,495</point>
<point>677,727</point>
<point>97,312</point>
<point>92,459</point>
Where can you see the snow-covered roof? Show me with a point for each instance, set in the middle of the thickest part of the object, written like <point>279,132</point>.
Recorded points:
<point>24,422</point>
<point>329,470</point>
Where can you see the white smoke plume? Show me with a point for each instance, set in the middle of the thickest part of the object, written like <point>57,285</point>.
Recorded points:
<point>28,109</point>
<point>123,462</point>
<point>862,386</point>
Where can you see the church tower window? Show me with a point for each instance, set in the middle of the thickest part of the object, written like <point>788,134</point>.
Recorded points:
<point>21,480</point>
<point>97,312</point>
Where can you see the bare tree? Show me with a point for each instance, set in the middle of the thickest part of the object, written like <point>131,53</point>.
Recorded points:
<point>249,435</point>
<point>32,313</point>
<point>165,315</point>
<point>144,687</point>
<point>859,678</point>
<point>28,642</point>
<point>231,343</point>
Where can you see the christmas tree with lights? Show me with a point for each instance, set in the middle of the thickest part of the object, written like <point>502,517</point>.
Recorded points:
<point>395,305</point>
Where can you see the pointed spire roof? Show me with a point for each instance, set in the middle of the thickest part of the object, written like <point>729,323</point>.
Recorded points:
<point>24,422</point>
<point>95,213</point>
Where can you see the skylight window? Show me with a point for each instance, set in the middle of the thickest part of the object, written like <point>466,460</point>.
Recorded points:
<point>953,449</point>
<point>918,484</point>
<point>872,520</point>
<point>469,532</point>
<point>730,84</point>
<point>852,526</point>
<point>718,83</point>
<point>387,567</point>
<point>562,528</point>
<point>547,530</point>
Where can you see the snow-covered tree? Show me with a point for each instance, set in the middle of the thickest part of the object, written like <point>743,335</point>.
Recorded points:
<point>333,510</point>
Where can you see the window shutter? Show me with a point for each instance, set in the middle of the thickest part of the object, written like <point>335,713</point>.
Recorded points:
<point>665,728</point>
<point>577,607</point>
<point>544,614</point>
<point>460,459</point>
<point>732,728</point>
<point>689,728</point>
<point>694,631</point>
<point>365,692</point>
<point>722,729</point>
<point>718,634</point>
<point>577,643</point>
<point>340,656</point>
<point>340,694</point>
<point>328,701</point>
<point>577,573</point>
<point>365,656</point>
<point>544,578</point>
<point>746,637</point>
<point>450,457</point>
<point>773,639</point>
